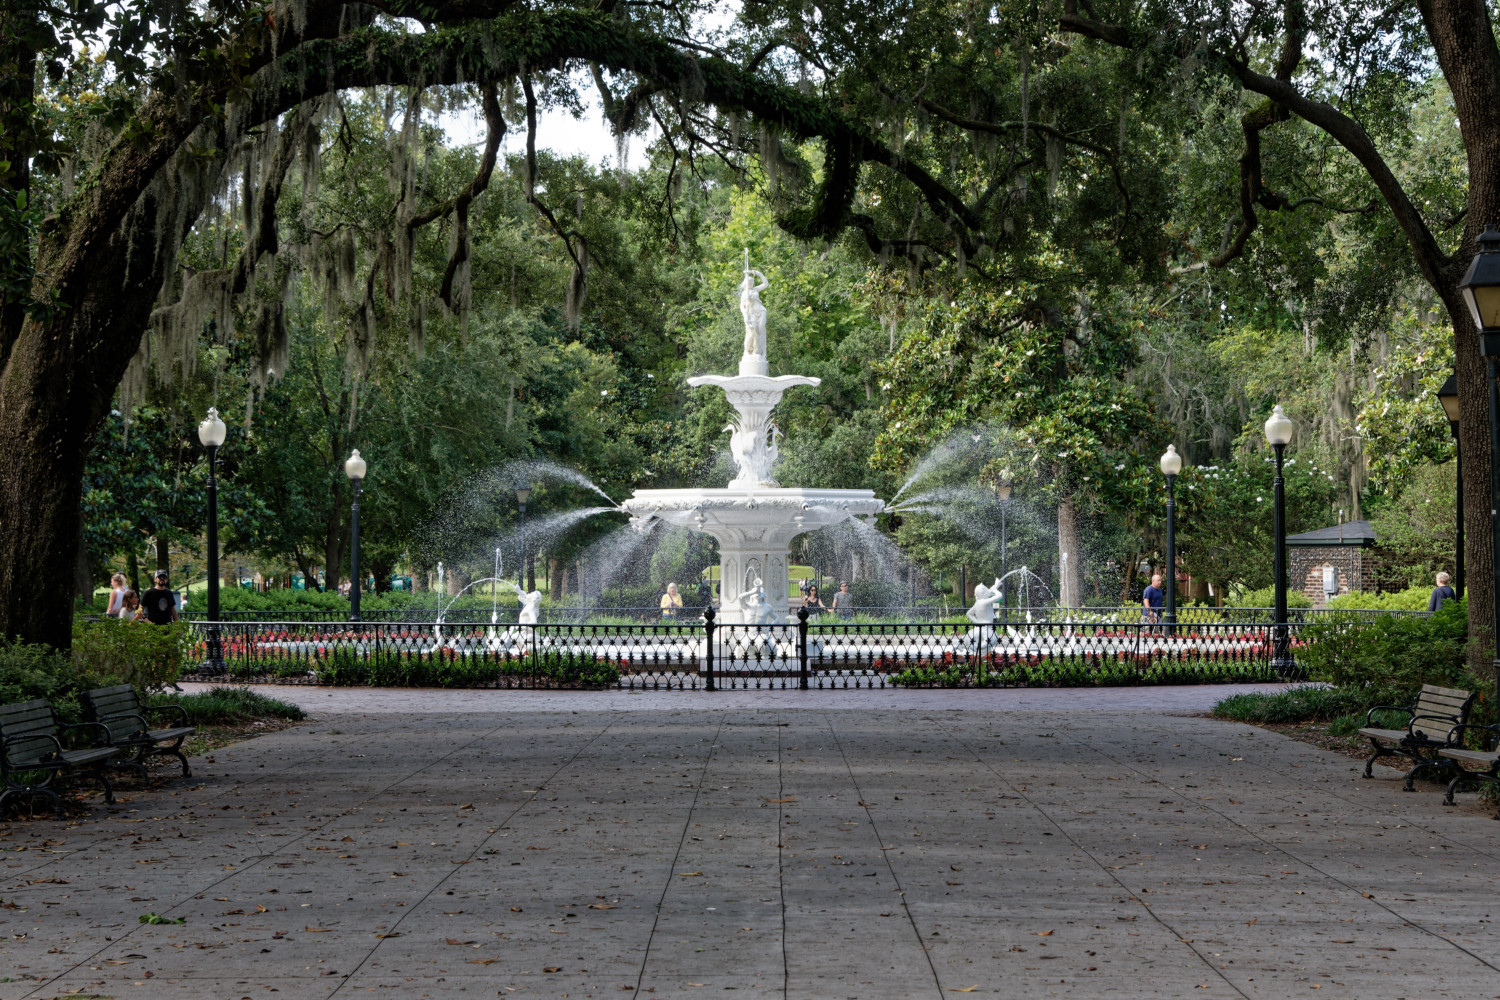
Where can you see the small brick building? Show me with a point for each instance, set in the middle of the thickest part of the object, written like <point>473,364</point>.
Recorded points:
<point>1349,548</point>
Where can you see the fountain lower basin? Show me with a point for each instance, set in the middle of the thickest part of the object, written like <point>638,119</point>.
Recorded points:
<point>755,528</point>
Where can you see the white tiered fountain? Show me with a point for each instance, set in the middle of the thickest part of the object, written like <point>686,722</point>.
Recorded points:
<point>754,518</point>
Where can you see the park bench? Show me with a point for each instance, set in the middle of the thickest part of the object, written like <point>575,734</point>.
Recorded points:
<point>1430,721</point>
<point>33,754</point>
<point>119,710</point>
<point>1488,759</point>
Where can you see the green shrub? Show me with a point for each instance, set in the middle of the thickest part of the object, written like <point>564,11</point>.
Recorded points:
<point>226,706</point>
<point>350,668</point>
<point>147,656</point>
<point>1265,597</point>
<point>1410,599</point>
<point>1307,703</point>
<point>1395,653</point>
<point>29,671</point>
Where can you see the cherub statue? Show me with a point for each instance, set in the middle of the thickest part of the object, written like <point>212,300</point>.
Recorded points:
<point>985,599</point>
<point>757,610</point>
<point>530,606</point>
<point>754,312</point>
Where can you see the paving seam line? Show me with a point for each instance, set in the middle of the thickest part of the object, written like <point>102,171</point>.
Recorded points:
<point>786,976</point>
<point>1370,898</point>
<point>1415,824</point>
<point>1176,935</point>
<point>217,793</point>
<point>885,856</point>
<point>455,869</point>
<point>687,824</point>
<point>240,871</point>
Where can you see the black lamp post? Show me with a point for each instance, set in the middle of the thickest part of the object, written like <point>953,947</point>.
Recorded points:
<point>523,493</point>
<point>1171,465</point>
<point>1481,291</point>
<point>1002,490</point>
<point>1448,396</point>
<point>211,433</point>
<point>1279,434</point>
<point>354,468</point>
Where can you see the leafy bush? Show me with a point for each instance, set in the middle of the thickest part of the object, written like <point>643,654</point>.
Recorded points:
<point>1307,703</point>
<point>147,656</point>
<point>1410,599</point>
<point>29,671</point>
<point>1265,597</point>
<point>227,706</point>
<point>1390,653</point>
<point>350,668</point>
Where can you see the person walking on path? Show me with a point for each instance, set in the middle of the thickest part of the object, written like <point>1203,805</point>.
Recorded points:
<point>1152,599</point>
<point>671,602</point>
<point>159,604</point>
<point>117,592</point>
<point>1442,593</point>
<point>130,606</point>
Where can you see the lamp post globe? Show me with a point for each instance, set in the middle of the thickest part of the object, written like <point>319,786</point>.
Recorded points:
<point>1279,429</point>
<point>211,434</point>
<point>1171,465</point>
<point>355,468</point>
<point>523,494</point>
<point>1481,291</point>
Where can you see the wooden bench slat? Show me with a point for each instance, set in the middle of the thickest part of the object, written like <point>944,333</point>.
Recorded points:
<point>1393,735</point>
<point>1473,756</point>
<point>1456,692</point>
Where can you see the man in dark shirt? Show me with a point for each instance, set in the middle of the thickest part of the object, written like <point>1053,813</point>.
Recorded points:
<point>158,605</point>
<point>1441,594</point>
<point>1152,599</point>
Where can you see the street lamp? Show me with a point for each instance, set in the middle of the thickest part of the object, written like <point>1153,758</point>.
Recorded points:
<point>523,493</point>
<point>1481,292</point>
<point>1279,434</point>
<point>1002,490</point>
<point>1171,465</point>
<point>211,434</point>
<point>354,468</point>
<point>1448,396</point>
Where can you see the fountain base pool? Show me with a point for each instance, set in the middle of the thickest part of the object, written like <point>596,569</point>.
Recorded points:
<point>754,528</point>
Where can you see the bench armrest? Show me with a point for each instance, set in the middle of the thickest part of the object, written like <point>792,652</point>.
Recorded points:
<point>1493,730</point>
<point>7,741</point>
<point>180,712</point>
<point>1370,714</point>
<point>127,715</point>
<point>103,730</point>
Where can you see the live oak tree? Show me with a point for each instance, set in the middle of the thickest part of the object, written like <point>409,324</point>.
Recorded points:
<point>192,108</point>
<point>1353,72</point>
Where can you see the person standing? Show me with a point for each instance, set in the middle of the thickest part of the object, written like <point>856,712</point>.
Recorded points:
<point>843,601</point>
<point>130,606</point>
<point>159,604</point>
<point>812,602</point>
<point>1442,593</point>
<point>1152,599</point>
<point>671,602</point>
<point>117,592</point>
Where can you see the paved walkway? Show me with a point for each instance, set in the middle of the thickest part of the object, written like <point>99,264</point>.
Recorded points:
<point>1192,699</point>
<point>785,851</point>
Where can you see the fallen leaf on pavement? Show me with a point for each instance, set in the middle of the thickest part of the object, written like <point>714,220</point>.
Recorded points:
<point>1043,933</point>
<point>688,874</point>
<point>789,798</point>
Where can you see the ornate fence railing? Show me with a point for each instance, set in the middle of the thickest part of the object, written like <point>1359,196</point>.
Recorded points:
<point>808,653</point>
<point>865,614</point>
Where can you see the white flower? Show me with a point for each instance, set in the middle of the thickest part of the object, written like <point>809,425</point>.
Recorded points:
<point>604,392</point>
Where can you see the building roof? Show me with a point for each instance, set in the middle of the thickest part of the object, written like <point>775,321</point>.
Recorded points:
<point>1349,533</point>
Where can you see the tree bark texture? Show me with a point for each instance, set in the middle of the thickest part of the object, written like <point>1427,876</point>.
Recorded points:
<point>1069,576</point>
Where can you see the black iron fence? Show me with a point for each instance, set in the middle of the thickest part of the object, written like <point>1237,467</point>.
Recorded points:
<point>804,652</point>
<point>1197,615</point>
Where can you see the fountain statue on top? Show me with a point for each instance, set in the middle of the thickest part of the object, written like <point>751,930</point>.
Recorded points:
<point>754,518</point>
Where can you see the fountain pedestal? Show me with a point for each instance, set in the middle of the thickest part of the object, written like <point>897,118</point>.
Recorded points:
<point>754,519</point>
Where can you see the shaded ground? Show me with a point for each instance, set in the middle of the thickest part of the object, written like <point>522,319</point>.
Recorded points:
<point>794,852</point>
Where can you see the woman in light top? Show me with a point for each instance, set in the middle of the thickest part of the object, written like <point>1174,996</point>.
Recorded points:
<point>117,591</point>
<point>671,602</point>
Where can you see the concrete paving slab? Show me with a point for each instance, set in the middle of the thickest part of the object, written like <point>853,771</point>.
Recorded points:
<point>1081,846</point>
